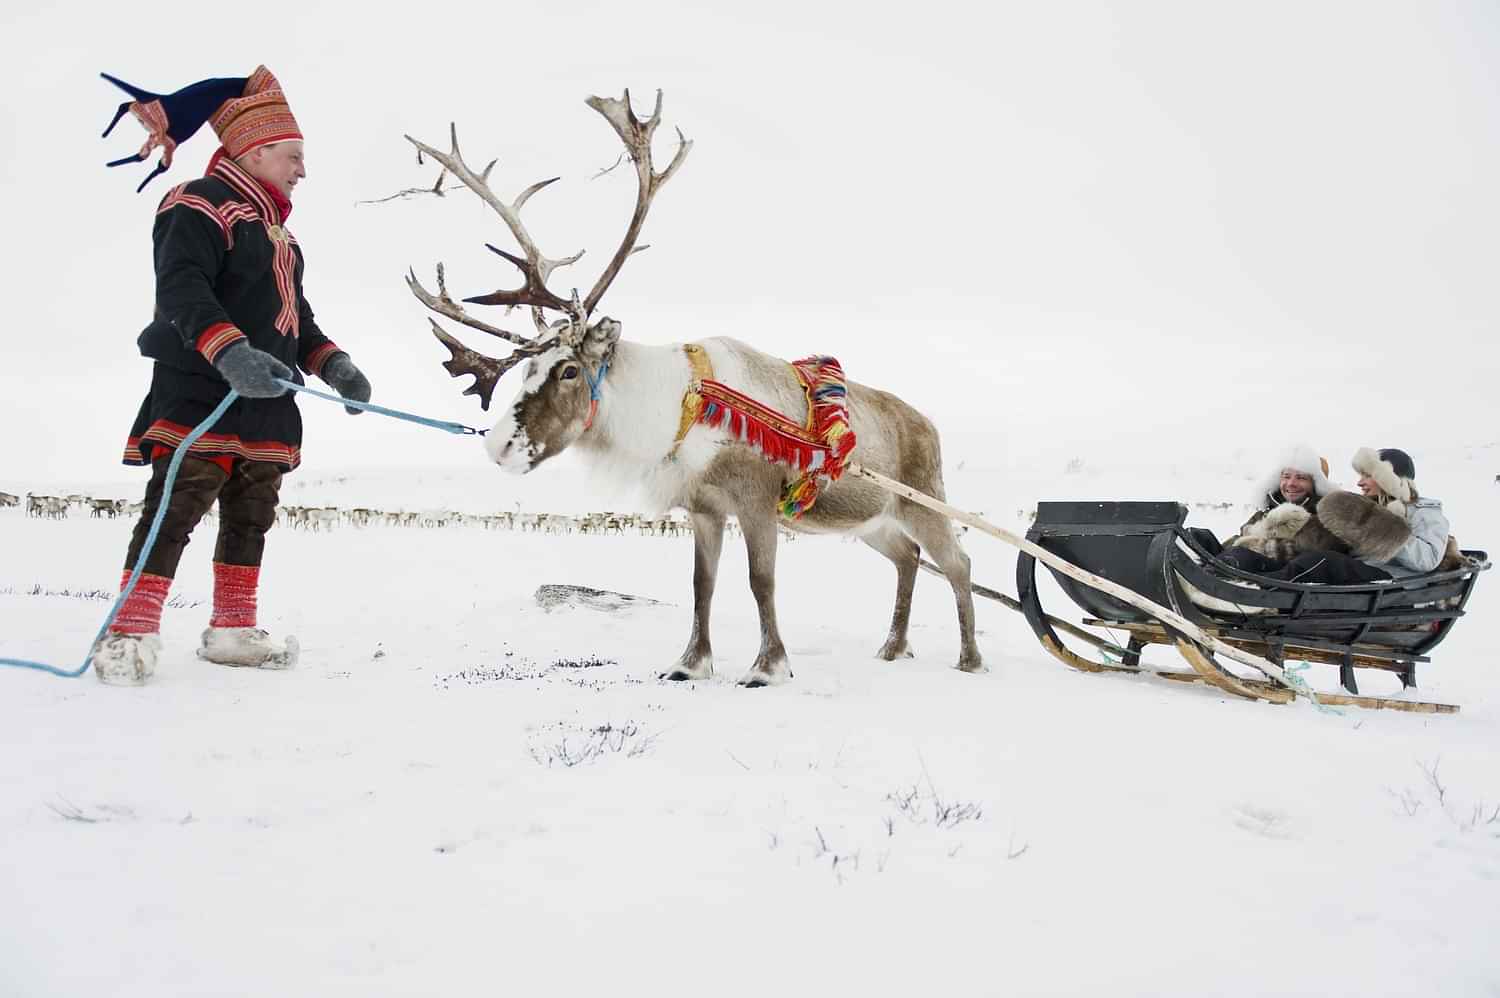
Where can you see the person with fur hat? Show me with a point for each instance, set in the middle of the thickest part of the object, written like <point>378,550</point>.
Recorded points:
<point>230,314</point>
<point>1389,530</point>
<point>1286,497</point>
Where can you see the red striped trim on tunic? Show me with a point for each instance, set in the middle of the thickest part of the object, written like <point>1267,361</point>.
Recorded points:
<point>177,196</point>
<point>171,435</point>
<point>217,338</point>
<point>284,262</point>
<point>315,360</point>
<point>288,320</point>
<point>235,212</point>
<point>228,171</point>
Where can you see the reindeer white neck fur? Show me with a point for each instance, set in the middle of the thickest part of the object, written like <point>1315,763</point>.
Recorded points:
<point>634,434</point>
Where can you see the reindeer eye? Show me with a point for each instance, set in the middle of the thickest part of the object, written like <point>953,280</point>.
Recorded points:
<point>570,372</point>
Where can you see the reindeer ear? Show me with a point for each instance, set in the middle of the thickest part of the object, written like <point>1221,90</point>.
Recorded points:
<point>599,342</point>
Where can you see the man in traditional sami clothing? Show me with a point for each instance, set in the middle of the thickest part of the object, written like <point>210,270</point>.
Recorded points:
<point>230,313</point>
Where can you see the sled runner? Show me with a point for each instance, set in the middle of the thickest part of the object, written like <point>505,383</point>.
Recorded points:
<point>1392,626</point>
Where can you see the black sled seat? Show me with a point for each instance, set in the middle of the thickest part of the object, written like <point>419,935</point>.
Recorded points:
<point>1143,546</point>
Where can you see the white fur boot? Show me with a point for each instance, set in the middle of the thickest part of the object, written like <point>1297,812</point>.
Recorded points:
<point>125,659</point>
<point>248,646</point>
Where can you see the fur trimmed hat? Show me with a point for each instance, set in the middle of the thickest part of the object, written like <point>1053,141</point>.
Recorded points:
<point>1306,460</point>
<point>1393,470</point>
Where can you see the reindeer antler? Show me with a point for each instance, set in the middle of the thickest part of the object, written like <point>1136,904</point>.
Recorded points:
<point>534,266</point>
<point>487,371</point>
<point>636,135</point>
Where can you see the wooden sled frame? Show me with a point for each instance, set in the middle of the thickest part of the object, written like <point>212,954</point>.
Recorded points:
<point>1388,626</point>
<point>1159,525</point>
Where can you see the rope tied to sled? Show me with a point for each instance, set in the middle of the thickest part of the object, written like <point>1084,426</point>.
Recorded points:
<point>1293,672</point>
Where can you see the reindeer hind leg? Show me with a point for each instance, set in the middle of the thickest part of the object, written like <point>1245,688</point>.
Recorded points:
<point>934,532</point>
<point>759,527</point>
<point>905,555</point>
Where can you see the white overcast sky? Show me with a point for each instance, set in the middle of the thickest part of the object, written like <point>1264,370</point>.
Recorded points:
<point>1074,223</point>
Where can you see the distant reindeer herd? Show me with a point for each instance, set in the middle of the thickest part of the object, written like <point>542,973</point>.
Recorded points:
<point>319,518</point>
<point>322,518</point>
<point>56,507</point>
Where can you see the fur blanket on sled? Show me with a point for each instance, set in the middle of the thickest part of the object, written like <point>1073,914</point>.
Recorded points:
<point>1273,532</point>
<point>1344,522</point>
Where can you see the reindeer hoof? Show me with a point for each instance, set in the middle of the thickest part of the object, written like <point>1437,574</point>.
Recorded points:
<point>974,666</point>
<point>687,669</point>
<point>758,677</point>
<point>892,650</point>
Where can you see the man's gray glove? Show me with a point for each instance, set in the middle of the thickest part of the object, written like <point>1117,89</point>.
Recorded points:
<point>252,372</point>
<point>341,374</point>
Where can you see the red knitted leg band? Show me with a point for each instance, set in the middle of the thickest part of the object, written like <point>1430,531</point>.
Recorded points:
<point>141,612</point>
<point>234,595</point>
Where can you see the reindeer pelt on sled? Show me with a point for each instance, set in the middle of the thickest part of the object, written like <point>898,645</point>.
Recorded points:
<point>1371,532</point>
<point>1453,558</point>
<point>1273,532</point>
<point>1353,524</point>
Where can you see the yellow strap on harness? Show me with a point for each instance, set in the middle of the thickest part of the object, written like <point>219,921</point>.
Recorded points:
<point>692,400</point>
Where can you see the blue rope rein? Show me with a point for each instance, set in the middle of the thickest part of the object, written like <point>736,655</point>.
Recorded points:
<point>438,424</point>
<point>161,509</point>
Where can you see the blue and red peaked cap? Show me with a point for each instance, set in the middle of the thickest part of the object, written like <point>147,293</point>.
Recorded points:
<point>246,112</point>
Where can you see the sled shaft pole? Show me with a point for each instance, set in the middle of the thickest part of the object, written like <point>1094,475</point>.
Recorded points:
<point>1177,622</point>
<point>1012,604</point>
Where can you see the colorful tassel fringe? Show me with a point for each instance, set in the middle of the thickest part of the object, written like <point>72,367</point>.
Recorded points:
<point>819,450</point>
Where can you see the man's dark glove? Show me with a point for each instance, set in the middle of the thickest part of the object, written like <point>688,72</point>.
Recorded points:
<point>340,373</point>
<point>252,372</point>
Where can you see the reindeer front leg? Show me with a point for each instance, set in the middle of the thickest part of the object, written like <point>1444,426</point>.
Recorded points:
<point>758,523</point>
<point>697,661</point>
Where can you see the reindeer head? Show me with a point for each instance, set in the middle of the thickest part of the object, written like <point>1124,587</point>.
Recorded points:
<point>556,402</point>
<point>567,357</point>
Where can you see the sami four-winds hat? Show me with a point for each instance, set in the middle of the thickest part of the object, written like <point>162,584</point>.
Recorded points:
<point>246,112</point>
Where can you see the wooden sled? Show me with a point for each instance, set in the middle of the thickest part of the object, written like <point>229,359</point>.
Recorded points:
<point>1130,565</point>
<point>1390,626</point>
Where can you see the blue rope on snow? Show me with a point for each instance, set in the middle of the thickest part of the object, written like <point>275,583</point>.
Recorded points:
<point>161,510</point>
<point>135,574</point>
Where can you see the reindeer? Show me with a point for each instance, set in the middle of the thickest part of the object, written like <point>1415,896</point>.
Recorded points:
<point>621,404</point>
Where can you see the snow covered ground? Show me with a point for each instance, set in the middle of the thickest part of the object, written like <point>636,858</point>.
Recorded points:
<point>461,792</point>
<point>1113,250</point>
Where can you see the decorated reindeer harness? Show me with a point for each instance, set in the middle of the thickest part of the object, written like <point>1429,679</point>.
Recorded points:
<point>818,448</point>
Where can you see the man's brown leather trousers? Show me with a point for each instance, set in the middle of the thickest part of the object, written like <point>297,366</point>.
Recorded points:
<point>247,499</point>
